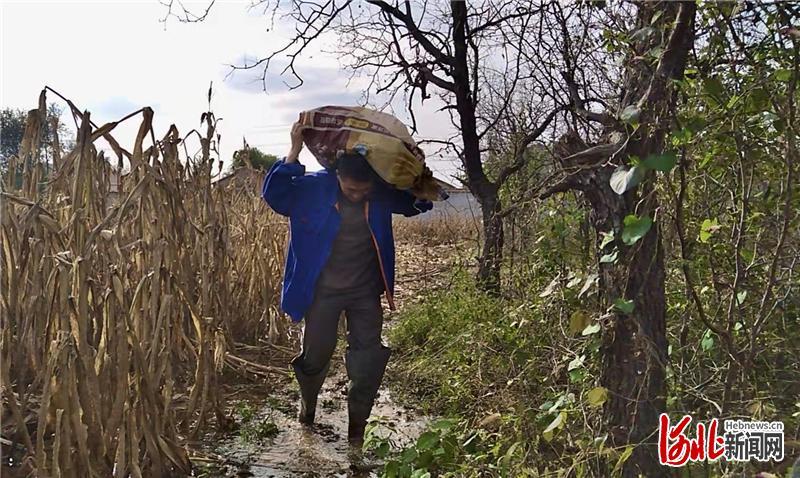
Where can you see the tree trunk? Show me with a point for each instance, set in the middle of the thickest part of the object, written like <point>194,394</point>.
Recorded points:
<point>634,345</point>
<point>492,254</point>
<point>484,190</point>
<point>634,340</point>
<point>635,355</point>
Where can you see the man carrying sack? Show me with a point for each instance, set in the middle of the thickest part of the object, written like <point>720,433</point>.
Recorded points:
<point>340,258</point>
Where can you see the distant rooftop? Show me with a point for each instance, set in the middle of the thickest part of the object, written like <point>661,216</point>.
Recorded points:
<point>447,186</point>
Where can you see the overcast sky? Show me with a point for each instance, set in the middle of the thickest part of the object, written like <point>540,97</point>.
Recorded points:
<point>114,57</point>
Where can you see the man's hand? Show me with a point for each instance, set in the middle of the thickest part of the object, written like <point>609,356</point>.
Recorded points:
<point>297,142</point>
<point>423,205</point>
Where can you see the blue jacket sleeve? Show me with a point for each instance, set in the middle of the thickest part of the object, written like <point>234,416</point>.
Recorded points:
<point>405,203</point>
<point>280,186</point>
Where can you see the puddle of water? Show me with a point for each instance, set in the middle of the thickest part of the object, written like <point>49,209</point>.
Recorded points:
<point>297,451</point>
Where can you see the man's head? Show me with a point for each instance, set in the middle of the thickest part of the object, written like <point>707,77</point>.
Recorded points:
<point>356,176</point>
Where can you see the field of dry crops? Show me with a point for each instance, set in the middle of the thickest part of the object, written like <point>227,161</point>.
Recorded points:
<point>118,317</point>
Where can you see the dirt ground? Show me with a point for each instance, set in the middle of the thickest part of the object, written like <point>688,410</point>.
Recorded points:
<point>282,448</point>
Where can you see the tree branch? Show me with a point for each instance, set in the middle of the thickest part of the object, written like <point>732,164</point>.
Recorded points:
<point>522,147</point>
<point>579,106</point>
<point>673,60</point>
<point>414,30</point>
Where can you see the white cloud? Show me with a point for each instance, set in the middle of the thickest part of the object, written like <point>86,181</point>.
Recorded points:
<point>113,58</point>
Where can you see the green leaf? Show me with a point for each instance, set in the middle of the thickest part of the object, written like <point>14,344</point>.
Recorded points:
<point>409,454</point>
<point>622,459</point>
<point>591,329</point>
<point>660,162</point>
<point>740,297</point>
<point>783,74</point>
<point>555,406</point>
<point>392,469</point>
<point>609,258</point>
<point>444,424</point>
<point>695,123</point>
<point>577,362</point>
<point>509,455</point>
<point>625,306</point>
<point>608,238</point>
<point>656,16</point>
<point>578,321</point>
<point>656,52</point>
<point>383,450</point>
<point>635,228</point>
<point>707,342</point>
<point>643,34</point>
<point>758,100</point>
<point>557,423</point>
<point>682,136</point>
<point>624,178</point>
<point>590,280</point>
<point>747,254</point>
<point>597,396</point>
<point>708,156</point>
<point>732,102</point>
<point>708,228</point>
<point>577,375</point>
<point>427,440</point>
<point>714,89</point>
<point>630,114</point>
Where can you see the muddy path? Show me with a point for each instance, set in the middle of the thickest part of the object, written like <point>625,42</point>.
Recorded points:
<point>272,443</point>
<point>269,442</point>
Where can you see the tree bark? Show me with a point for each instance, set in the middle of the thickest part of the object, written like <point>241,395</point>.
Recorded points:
<point>492,254</point>
<point>634,343</point>
<point>635,355</point>
<point>484,190</point>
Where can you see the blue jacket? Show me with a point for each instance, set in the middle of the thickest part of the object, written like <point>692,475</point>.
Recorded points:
<point>310,202</point>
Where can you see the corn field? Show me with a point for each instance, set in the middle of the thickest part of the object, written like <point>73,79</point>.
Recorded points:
<point>118,317</point>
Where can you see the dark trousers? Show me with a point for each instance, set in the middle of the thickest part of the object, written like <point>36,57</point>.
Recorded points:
<point>364,323</point>
<point>365,359</point>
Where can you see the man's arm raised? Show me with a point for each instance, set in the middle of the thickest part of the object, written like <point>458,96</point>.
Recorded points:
<point>279,189</point>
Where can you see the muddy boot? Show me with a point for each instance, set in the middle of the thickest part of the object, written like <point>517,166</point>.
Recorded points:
<point>310,386</point>
<point>365,369</point>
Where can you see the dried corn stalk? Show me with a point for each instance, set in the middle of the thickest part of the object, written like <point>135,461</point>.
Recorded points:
<point>117,317</point>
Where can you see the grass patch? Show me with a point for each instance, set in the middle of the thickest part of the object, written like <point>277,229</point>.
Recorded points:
<point>509,379</point>
<point>253,428</point>
<point>464,348</point>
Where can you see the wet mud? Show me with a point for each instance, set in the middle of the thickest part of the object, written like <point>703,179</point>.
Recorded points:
<point>322,450</point>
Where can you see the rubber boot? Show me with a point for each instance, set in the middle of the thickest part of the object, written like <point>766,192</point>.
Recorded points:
<point>365,369</point>
<point>310,386</point>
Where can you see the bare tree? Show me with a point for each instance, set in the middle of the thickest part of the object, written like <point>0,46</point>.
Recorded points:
<point>461,52</point>
<point>613,107</point>
<point>605,156</point>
